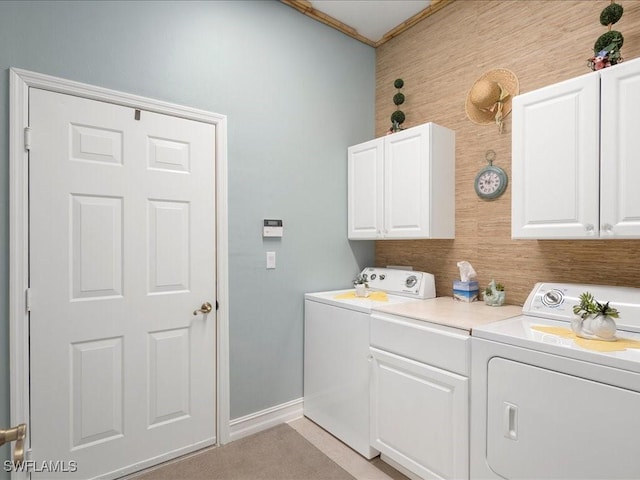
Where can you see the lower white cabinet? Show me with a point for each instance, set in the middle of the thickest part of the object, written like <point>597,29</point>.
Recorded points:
<point>419,412</point>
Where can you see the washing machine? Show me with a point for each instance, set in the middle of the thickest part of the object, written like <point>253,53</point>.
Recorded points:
<point>546,404</point>
<point>336,351</point>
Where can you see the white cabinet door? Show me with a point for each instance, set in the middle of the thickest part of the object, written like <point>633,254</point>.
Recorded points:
<point>555,150</point>
<point>419,416</point>
<point>406,184</point>
<point>620,168</point>
<point>403,185</point>
<point>365,173</point>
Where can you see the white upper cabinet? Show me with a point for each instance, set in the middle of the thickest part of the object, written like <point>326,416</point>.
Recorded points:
<point>573,173</point>
<point>620,151</point>
<point>403,185</point>
<point>365,184</point>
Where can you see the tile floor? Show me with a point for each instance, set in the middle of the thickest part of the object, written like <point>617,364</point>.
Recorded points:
<point>355,464</point>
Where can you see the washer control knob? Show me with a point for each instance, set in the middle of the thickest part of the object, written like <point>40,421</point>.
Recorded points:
<point>373,276</point>
<point>553,298</point>
<point>411,281</point>
<point>382,276</point>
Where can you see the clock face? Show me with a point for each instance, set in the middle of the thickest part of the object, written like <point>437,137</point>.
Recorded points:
<point>491,182</point>
<point>488,182</point>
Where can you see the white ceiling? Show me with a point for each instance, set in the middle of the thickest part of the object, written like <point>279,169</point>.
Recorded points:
<point>371,18</point>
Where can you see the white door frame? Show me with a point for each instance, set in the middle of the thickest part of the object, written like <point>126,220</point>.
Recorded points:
<point>20,82</point>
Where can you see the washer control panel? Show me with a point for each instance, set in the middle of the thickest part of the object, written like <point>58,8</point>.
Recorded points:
<point>556,301</point>
<point>401,282</point>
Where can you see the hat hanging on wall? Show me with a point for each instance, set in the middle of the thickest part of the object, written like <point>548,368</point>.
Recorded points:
<point>489,99</point>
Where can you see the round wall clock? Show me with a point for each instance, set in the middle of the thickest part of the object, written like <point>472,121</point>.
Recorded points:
<point>491,182</point>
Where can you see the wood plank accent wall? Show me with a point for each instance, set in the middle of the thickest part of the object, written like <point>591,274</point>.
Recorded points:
<point>542,42</point>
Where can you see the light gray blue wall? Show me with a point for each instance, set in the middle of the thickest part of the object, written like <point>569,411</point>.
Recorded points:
<point>296,94</point>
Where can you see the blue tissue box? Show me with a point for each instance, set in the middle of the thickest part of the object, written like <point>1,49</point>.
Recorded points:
<point>465,291</point>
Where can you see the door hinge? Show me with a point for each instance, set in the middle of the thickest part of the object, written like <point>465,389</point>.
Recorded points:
<point>27,138</point>
<point>27,299</point>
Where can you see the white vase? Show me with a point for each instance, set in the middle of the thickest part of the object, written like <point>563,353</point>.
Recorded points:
<point>362,290</point>
<point>576,324</point>
<point>594,327</point>
<point>603,327</point>
<point>586,325</point>
<point>495,300</point>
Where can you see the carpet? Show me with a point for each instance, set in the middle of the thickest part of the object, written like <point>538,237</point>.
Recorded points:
<point>279,453</point>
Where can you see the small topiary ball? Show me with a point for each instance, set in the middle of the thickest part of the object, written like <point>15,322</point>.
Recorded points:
<point>399,83</point>
<point>398,99</point>
<point>398,117</point>
<point>607,39</point>
<point>611,14</point>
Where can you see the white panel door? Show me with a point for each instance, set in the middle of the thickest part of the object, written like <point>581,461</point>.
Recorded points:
<point>620,168</point>
<point>555,150</point>
<point>365,177</point>
<point>122,251</point>
<point>420,416</point>
<point>406,184</point>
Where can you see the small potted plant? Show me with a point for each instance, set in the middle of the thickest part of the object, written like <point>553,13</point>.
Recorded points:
<point>593,319</point>
<point>362,286</point>
<point>494,294</point>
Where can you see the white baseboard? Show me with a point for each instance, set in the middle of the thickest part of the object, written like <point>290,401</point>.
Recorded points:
<point>270,417</point>
<point>406,472</point>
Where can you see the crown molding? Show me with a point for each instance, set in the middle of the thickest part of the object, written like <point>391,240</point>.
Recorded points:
<point>305,7</point>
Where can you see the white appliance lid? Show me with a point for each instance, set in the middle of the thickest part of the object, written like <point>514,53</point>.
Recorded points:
<point>400,286</point>
<point>551,305</point>
<point>556,300</point>
<point>358,304</point>
<point>520,332</point>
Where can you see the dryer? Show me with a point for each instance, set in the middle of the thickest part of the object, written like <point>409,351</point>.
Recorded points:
<point>548,405</point>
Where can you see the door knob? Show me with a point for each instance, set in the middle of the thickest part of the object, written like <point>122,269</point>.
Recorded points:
<point>204,308</point>
<point>15,434</point>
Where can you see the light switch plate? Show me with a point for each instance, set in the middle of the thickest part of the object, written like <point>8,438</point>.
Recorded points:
<point>271,260</point>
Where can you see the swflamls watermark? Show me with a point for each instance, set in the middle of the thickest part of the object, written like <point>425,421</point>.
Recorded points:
<point>50,466</point>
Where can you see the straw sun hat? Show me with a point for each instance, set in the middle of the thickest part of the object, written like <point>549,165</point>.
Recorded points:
<point>489,99</point>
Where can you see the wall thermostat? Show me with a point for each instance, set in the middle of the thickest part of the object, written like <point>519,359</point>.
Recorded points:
<point>272,228</point>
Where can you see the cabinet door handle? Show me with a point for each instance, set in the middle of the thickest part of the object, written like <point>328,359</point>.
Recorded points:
<point>510,421</point>
<point>590,229</point>
<point>607,228</point>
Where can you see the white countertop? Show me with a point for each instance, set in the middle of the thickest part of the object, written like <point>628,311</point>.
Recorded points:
<point>452,313</point>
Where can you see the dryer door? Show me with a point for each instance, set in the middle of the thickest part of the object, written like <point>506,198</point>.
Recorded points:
<point>546,424</point>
